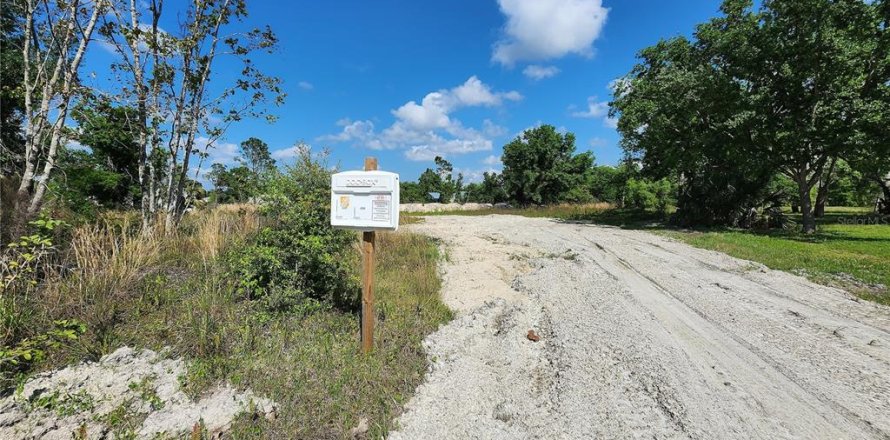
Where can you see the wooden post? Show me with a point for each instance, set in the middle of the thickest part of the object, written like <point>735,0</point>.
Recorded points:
<point>368,245</point>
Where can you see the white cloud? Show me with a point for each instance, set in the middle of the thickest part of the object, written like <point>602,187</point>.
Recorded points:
<point>598,142</point>
<point>305,85</point>
<point>289,152</point>
<point>492,160</point>
<point>620,87</point>
<point>611,122</point>
<point>433,110</point>
<point>77,146</point>
<point>428,129</point>
<point>217,152</point>
<point>446,147</point>
<point>547,29</point>
<point>595,109</point>
<point>538,73</point>
<point>493,130</point>
<point>352,131</point>
<point>474,175</point>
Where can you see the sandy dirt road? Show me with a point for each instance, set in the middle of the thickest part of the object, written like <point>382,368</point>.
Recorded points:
<point>640,337</point>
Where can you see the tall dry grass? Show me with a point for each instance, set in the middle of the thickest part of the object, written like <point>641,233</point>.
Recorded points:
<point>107,263</point>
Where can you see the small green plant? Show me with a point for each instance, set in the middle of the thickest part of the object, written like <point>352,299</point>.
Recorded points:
<point>16,358</point>
<point>63,405</point>
<point>123,421</point>
<point>147,392</point>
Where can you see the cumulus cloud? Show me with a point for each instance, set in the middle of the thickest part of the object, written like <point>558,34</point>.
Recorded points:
<point>595,109</point>
<point>492,160</point>
<point>433,110</point>
<point>429,129</point>
<point>548,29</point>
<point>290,152</point>
<point>538,73</point>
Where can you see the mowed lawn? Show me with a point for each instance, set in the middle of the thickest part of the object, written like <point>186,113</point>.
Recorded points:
<point>854,257</point>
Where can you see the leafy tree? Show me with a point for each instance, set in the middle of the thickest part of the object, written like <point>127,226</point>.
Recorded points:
<point>55,38</point>
<point>256,157</point>
<point>410,192</point>
<point>785,88</point>
<point>649,195</point>
<point>11,100</point>
<point>439,181</point>
<point>232,185</point>
<point>540,166</point>
<point>807,72</point>
<point>491,189</point>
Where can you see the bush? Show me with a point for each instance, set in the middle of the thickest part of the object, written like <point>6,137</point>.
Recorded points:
<point>648,195</point>
<point>299,256</point>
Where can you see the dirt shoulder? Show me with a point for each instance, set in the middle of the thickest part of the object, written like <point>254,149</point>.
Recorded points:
<point>640,336</point>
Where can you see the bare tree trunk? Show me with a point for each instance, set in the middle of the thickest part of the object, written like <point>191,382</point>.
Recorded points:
<point>176,196</point>
<point>37,131</point>
<point>65,99</point>
<point>822,193</point>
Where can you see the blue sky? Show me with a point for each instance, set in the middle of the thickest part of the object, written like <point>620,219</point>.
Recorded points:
<point>406,80</point>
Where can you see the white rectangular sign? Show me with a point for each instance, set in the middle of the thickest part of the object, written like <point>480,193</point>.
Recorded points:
<point>365,200</point>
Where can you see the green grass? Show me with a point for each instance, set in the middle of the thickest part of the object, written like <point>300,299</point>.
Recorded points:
<point>308,361</point>
<point>831,256</point>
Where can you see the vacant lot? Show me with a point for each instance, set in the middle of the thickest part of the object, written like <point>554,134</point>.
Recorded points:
<point>855,257</point>
<point>640,336</point>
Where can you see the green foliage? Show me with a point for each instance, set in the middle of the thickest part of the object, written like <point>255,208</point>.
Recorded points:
<point>249,179</point>
<point>779,89</point>
<point>20,272</point>
<point>63,405</point>
<point>12,105</point>
<point>434,186</point>
<point>850,187</point>
<point>18,357</point>
<point>298,256</point>
<point>647,195</point>
<point>105,175</point>
<point>411,192</point>
<point>540,167</point>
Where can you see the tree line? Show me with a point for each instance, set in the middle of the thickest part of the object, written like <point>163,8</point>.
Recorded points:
<point>542,167</point>
<point>784,104</point>
<point>158,106</point>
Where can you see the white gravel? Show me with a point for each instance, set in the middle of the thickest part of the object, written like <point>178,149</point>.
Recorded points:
<point>143,384</point>
<point>641,337</point>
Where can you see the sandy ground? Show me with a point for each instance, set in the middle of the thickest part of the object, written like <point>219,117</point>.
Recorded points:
<point>640,337</point>
<point>438,207</point>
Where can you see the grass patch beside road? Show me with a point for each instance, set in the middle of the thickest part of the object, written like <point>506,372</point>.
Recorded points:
<point>176,291</point>
<point>853,257</point>
<point>312,367</point>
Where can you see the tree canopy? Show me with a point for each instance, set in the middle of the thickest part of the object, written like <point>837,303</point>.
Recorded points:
<point>541,167</point>
<point>780,89</point>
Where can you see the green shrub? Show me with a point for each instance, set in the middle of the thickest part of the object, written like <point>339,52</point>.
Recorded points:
<point>298,256</point>
<point>648,195</point>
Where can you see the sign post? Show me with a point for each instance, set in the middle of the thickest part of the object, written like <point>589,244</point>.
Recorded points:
<point>369,242</point>
<point>366,201</point>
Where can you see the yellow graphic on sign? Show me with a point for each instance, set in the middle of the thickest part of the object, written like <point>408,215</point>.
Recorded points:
<point>344,202</point>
